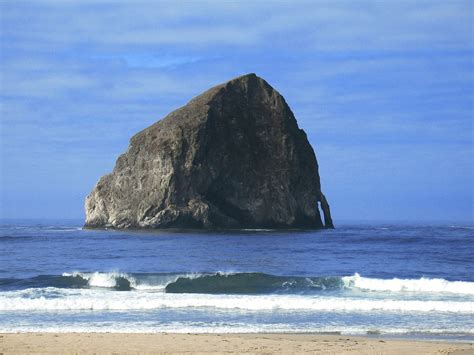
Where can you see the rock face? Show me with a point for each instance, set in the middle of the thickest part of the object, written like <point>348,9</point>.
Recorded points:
<point>233,157</point>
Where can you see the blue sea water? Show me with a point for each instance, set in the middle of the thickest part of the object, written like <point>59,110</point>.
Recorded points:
<point>388,279</point>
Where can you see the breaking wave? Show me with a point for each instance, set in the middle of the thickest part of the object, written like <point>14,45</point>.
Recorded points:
<point>409,285</point>
<point>237,283</point>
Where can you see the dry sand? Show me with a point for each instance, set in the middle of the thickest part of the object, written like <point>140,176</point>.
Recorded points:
<point>116,343</point>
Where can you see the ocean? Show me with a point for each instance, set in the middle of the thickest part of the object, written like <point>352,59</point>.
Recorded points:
<point>378,279</point>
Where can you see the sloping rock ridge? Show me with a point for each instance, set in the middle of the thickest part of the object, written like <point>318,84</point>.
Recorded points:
<point>233,157</point>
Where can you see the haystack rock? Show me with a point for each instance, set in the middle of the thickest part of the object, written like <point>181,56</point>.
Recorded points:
<point>233,157</point>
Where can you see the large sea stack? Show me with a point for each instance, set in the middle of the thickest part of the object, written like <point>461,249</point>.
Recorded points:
<point>233,157</point>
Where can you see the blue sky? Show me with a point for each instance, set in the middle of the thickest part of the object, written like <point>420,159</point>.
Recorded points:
<point>382,88</point>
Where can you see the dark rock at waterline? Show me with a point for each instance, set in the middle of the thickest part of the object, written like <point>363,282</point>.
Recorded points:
<point>233,157</point>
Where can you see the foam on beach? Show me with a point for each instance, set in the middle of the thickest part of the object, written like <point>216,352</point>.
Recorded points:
<point>53,299</point>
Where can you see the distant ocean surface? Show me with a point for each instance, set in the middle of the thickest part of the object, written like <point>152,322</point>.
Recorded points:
<point>393,280</point>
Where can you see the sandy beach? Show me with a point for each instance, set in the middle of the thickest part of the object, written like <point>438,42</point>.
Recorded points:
<point>103,343</point>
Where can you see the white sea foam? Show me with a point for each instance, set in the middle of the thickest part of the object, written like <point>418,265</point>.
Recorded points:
<point>29,300</point>
<point>101,279</point>
<point>109,280</point>
<point>209,328</point>
<point>410,285</point>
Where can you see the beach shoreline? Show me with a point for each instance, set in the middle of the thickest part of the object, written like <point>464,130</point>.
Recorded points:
<point>72,343</point>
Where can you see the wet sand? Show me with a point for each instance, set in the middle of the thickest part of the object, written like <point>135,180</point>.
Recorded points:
<point>107,343</point>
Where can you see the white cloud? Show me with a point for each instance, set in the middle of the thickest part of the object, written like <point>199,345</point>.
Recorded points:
<point>320,25</point>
